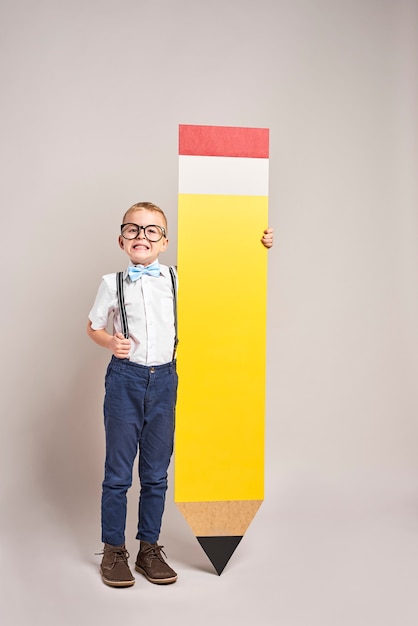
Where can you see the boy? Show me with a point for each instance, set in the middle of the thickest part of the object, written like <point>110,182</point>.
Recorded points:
<point>140,398</point>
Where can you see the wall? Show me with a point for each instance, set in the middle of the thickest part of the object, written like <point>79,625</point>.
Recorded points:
<point>93,93</point>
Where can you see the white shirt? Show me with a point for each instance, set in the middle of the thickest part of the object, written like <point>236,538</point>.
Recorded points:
<point>150,313</point>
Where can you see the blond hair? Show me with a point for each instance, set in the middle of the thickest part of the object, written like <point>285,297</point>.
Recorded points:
<point>145,206</point>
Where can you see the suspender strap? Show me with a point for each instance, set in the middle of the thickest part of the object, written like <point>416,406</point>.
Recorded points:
<point>121,303</point>
<point>122,310</point>
<point>174,285</point>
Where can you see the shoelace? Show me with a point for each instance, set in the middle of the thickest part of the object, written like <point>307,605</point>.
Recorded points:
<point>121,555</point>
<point>155,552</point>
<point>118,555</point>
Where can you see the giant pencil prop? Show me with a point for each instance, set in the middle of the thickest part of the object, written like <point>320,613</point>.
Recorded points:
<point>219,452</point>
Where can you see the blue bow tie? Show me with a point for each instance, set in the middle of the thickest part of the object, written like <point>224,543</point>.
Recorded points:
<point>136,271</point>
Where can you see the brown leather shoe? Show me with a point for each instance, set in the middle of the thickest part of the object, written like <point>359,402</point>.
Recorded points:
<point>114,567</point>
<point>151,563</point>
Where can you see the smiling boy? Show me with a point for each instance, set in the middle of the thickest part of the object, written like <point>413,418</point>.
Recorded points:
<point>140,393</point>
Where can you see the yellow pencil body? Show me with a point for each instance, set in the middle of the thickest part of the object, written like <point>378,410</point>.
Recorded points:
<point>222,266</point>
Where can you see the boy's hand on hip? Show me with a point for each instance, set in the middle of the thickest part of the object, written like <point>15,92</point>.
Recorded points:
<point>120,346</point>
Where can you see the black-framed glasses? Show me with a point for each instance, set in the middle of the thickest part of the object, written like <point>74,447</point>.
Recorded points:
<point>152,232</point>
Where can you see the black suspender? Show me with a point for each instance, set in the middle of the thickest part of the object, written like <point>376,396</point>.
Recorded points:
<point>174,287</point>
<point>121,303</point>
<point>122,310</point>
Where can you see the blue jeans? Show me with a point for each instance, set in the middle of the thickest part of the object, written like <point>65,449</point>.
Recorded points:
<point>139,414</point>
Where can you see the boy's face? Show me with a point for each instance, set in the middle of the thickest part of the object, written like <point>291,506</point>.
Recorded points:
<point>140,250</point>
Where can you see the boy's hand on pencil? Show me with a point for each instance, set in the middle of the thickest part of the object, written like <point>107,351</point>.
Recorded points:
<point>267,238</point>
<point>120,346</point>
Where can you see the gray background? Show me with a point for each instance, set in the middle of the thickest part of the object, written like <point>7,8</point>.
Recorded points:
<point>92,96</point>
